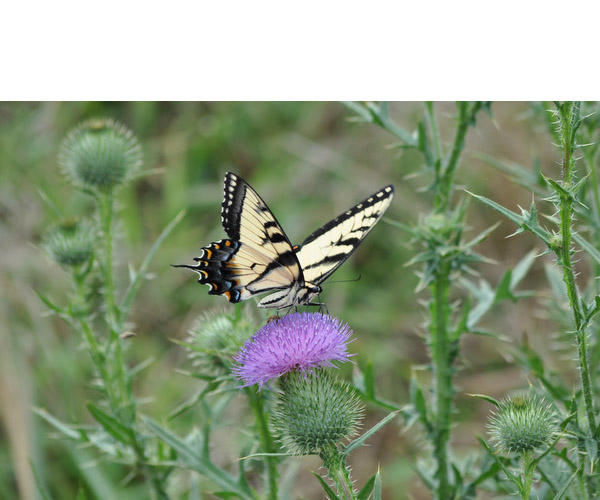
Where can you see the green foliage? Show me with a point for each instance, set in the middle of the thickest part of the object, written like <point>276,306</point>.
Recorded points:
<point>137,419</point>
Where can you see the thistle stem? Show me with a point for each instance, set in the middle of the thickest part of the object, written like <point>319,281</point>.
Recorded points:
<point>338,472</point>
<point>527,475</point>
<point>442,368</point>
<point>567,119</point>
<point>114,351</point>
<point>105,202</point>
<point>446,177</point>
<point>266,440</point>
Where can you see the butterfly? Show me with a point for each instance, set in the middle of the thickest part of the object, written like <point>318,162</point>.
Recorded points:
<point>258,256</point>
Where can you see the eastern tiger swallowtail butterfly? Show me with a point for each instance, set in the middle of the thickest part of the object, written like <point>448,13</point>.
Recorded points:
<point>258,256</point>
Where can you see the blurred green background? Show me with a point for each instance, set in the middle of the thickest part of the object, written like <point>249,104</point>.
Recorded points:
<point>310,162</point>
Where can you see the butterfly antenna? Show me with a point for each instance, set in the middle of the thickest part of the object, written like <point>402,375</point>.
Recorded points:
<point>342,281</point>
<point>193,268</point>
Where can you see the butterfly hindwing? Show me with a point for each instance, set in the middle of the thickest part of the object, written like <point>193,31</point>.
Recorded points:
<point>238,271</point>
<point>329,246</point>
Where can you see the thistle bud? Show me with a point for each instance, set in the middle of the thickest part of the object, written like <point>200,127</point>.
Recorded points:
<point>522,424</point>
<point>71,243</point>
<point>214,338</point>
<point>315,412</point>
<point>100,155</point>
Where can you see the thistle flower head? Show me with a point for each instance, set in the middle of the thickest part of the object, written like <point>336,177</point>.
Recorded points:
<point>70,243</point>
<point>522,424</point>
<point>315,412</point>
<point>100,154</point>
<point>214,338</point>
<point>297,342</point>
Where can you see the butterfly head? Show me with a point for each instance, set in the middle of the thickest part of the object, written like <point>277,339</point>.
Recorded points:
<point>308,292</point>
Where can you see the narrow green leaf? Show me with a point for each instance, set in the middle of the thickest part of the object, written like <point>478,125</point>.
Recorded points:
<point>503,291</point>
<point>489,399</point>
<point>50,304</point>
<point>369,380</point>
<point>522,268</point>
<point>366,490</point>
<point>346,450</point>
<point>587,247</point>
<point>524,176</point>
<point>514,479</point>
<point>381,117</point>
<point>400,225</point>
<point>530,224</point>
<point>111,425</point>
<point>67,430</point>
<point>360,109</point>
<point>134,285</point>
<point>329,492</point>
<point>378,486</point>
<point>194,460</point>
<point>461,325</point>
<point>564,489</point>
<point>41,487</point>
<point>485,299</point>
<point>418,400</point>
<point>423,143</point>
<point>559,189</point>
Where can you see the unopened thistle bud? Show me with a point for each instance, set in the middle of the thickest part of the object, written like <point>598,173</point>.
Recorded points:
<point>100,155</point>
<point>71,243</point>
<point>522,424</point>
<point>214,338</point>
<point>315,412</point>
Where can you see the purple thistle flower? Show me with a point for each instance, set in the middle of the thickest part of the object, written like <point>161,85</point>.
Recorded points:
<point>299,341</point>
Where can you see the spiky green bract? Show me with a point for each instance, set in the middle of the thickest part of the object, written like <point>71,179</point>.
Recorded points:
<point>523,424</point>
<point>315,411</point>
<point>214,338</point>
<point>71,242</point>
<point>100,154</point>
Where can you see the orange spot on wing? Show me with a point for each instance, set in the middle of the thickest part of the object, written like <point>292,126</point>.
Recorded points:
<point>228,295</point>
<point>295,247</point>
<point>208,253</point>
<point>228,243</point>
<point>217,246</point>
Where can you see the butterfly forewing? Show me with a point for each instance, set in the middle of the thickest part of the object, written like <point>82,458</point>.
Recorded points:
<point>247,218</point>
<point>324,250</point>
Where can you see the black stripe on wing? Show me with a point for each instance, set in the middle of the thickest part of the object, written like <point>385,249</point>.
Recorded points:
<point>247,218</point>
<point>326,248</point>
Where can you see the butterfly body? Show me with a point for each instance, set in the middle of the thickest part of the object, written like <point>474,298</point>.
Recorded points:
<point>258,256</point>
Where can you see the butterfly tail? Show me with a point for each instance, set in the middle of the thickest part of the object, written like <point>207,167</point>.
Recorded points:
<point>215,271</point>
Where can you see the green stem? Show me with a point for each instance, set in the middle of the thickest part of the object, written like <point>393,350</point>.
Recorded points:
<point>105,201</point>
<point>338,472</point>
<point>266,440</point>
<point>446,178</point>
<point>528,475</point>
<point>114,351</point>
<point>442,368</point>
<point>584,493</point>
<point>435,134</point>
<point>567,117</point>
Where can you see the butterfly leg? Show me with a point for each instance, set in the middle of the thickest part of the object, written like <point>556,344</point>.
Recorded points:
<point>289,309</point>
